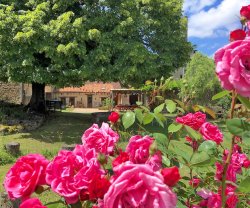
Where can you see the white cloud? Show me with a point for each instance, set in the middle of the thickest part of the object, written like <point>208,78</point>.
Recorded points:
<point>217,21</point>
<point>193,6</point>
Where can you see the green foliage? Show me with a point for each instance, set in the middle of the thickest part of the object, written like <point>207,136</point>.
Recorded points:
<point>244,186</point>
<point>220,95</point>
<point>237,126</point>
<point>199,83</point>
<point>69,42</point>
<point>6,158</point>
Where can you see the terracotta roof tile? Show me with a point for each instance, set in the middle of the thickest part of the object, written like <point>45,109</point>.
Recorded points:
<point>92,87</point>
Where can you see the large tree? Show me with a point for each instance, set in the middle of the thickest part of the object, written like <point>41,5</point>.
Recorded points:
<point>63,43</point>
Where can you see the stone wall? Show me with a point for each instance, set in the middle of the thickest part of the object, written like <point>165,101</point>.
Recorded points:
<point>10,92</point>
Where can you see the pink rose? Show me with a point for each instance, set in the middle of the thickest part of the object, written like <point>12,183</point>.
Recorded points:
<point>194,120</point>
<point>233,66</point>
<point>32,203</point>
<point>214,201</point>
<point>101,139</point>
<point>231,173</point>
<point>137,185</point>
<point>25,175</point>
<point>155,161</point>
<point>138,148</point>
<point>70,172</point>
<point>211,132</point>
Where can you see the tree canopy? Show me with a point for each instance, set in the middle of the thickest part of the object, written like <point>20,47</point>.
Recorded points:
<point>65,42</point>
<point>200,81</point>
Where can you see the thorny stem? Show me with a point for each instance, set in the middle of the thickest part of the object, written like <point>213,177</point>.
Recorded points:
<point>224,174</point>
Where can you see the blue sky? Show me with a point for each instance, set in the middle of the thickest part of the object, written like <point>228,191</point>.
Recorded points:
<point>210,22</point>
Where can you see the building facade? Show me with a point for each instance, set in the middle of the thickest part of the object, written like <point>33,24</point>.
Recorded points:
<point>90,95</point>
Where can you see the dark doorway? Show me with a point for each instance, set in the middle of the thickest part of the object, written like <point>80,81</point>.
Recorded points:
<point>133,99</point>
<point>72,101</point>
<point>89,104</point>
<point>63,99</point>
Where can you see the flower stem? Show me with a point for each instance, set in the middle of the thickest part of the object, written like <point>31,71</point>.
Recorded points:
<point>224,174</point>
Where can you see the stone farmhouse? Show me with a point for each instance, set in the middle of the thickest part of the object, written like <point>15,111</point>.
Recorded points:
<point>90,95</point>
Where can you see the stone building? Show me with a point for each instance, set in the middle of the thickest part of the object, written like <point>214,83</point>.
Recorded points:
<point>16,93</point>
<point>90,95</point>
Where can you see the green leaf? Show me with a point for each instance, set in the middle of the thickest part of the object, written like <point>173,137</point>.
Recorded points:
<point>180,109</point>
<point>128,119</point>
<point>145,108</point>
<point>244,186</point>
<point>174,127</point>
<point>160,119</point>
<point>208,146</point>
<point>180,205</point>
<point>148,118</point>
<point>237,126</point>
<point>165,161</point>
<point>161,138</point>
<point>170,106</point>
<point>159,108</point>
<point>244,101</point>
<point>200,159</point>
<point>246,137</point>
<point>181,149</point>
<point>192,133</point>
<point>139,115</point>
<point>220,95</point>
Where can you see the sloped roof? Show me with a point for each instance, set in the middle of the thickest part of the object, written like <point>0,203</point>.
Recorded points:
<point>92,87</point>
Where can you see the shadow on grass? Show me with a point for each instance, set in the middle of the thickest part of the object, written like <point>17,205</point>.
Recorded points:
<point>62,127</point>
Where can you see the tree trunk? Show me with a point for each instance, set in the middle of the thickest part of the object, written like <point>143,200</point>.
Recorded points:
<point>37,101</point>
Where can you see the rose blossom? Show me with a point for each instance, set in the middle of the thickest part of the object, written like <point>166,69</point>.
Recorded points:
<point>211,132</point>
<point>194,120</point>
<point>233,66</point>
<point>245,12</point>
<point>171,175</point>
<point>231,173</point>
<point>32,203</point>
<point>70,172</point>
<point>25,175</point>
<point>123,157</point>
<point>114,117</point>
<point>194,182</point>
<point>138,148</point>
<point>101,139</point>
<point>237,35</point>
<point>98,186</point>
<point>155,161</point>
<point>137,185</point>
